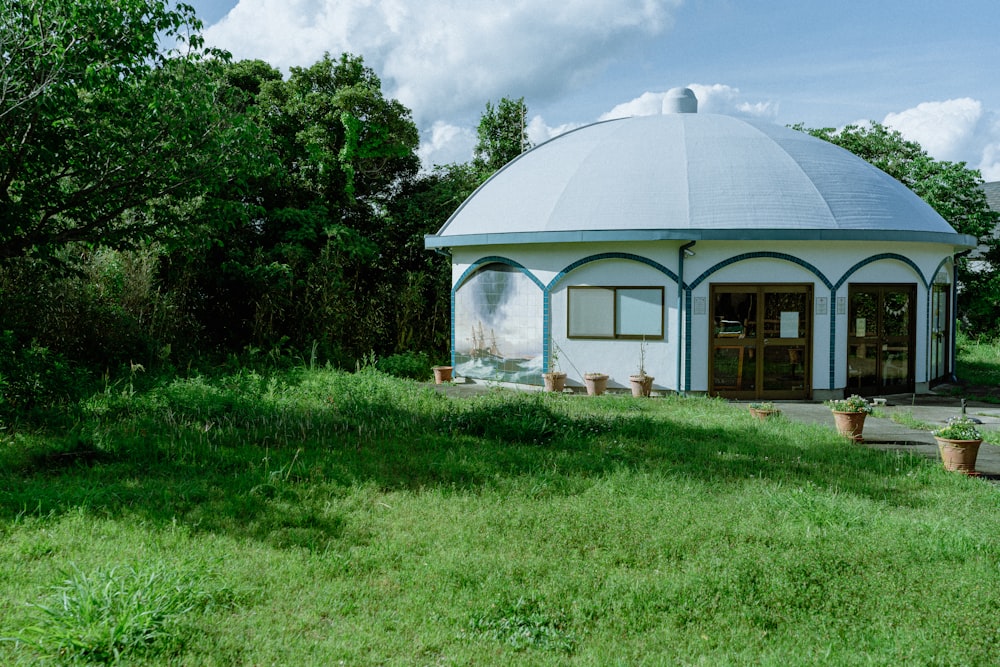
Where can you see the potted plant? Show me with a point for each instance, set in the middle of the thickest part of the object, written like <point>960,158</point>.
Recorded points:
<point>554,379</point>
<point>849,415</point>
<point>642,384</point>
<point>958,443</point>
<point>442,374</point>
<point>764,409</point>
<point>596,383</point>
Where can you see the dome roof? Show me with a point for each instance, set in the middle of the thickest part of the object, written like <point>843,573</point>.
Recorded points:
<point>690,176</point>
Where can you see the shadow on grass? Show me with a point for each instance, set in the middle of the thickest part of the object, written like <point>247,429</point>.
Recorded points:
<point>275,471</point>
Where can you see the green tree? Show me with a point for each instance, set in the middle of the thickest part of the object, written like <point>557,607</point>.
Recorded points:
<point>418,281</point>
<point>502,133</point>
<point>298,261</point>
<point>105,134</point>
<point>954,191</point>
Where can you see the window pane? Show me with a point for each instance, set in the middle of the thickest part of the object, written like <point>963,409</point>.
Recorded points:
<point>640,312</point>
<point>592,312</point>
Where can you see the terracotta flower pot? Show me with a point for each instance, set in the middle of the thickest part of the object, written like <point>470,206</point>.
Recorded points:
<point>596,383</point>
<point>959,455</point>
<point>442,374</point>
<point>642,385</point>
<point>763,414</point>
<point>850,424</point>
<point>554,381</point>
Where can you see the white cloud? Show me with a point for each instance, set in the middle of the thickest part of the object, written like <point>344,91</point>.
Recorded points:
<point>958,130</point>
<point>445,143</point>
<point>447,57</point>
<point>539,132</point>
<point>722,99</point>
<point>716,98</point>
<point>647,104</point>
<point>944,129</point>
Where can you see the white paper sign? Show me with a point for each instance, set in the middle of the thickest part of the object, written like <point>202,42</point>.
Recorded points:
<point>859,327</point>
<point>789,324</point>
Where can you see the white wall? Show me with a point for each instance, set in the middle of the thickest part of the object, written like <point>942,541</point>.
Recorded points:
<point>620,358</point>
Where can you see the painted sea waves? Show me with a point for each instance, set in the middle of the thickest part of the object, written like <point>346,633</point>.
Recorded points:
<point>498,334</point>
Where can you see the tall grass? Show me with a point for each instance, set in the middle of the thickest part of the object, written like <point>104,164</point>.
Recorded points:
<point>978,361</point>
<point>316,517</point>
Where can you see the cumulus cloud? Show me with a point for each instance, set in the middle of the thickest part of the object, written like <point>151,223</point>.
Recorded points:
<point>958,130</point>
<point>442,57</point>
<point>445,58</point>
<point>445,143</point>
<point>539,131</point>
<point>716,98</point>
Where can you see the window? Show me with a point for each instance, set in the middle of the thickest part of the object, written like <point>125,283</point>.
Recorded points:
<point>615,312</point>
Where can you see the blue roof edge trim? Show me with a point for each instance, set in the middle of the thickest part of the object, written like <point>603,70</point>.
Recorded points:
<point>605,236</point>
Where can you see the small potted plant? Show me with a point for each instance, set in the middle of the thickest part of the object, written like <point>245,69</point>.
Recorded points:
<point>958,443</point>
<point>442,374</point>
<point>849,415</point>
<point>642,384</point>
<point>596,383</point>
<point>764,409</point>
<point>554,379</point>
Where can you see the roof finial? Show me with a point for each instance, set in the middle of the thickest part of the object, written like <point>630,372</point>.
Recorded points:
<point>680,100</point>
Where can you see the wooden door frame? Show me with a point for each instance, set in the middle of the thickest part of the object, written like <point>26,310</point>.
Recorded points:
<point>911,360</point>
<point>759,342</point>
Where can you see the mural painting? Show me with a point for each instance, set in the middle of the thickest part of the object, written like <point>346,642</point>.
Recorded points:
<point>498,326</point>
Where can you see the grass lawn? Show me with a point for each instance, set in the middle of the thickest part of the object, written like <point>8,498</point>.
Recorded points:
<point>321,518</point>
<point>978,365</point>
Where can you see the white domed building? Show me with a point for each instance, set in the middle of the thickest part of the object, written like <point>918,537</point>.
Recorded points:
<point>728,257</point>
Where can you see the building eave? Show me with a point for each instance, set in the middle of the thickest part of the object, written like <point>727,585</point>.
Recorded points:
<point>959,241</point>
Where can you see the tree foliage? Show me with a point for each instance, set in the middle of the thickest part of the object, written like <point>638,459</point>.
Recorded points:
<point>210,207</point>
<point>502,135</point>
<point>951,188</point>
<point>954,191</point>
<point>104,131</point>
<point>299,258</point>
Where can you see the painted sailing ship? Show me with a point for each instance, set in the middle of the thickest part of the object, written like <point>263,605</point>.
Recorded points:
<point>481,349</point>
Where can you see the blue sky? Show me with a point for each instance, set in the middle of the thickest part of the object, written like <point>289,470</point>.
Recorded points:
<point>928,69</point>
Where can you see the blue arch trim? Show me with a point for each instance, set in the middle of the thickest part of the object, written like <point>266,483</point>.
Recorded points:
<point>547,293</point>
<point>611,255</point>
<point>495,259</point>
<point>916,269</point>
<point>763,254</point>
<point>944,262</point>
<point>878,258</point>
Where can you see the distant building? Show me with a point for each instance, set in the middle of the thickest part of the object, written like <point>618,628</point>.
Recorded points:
<point>735,258</point>
<point>992,191</point>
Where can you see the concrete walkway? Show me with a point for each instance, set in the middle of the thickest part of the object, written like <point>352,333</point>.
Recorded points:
<point>880,431</point>
<point>883,432</point>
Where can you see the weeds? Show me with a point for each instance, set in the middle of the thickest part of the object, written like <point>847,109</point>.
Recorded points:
<point>525,624</point>
<point>907,419</point>
<point>372,520</point>
<point>113,614</point>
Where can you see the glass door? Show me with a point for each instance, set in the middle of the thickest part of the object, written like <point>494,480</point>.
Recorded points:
<point>940,338</point>
<point>761,341</point>
<point>880,339</point>
<point>785,342</point>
